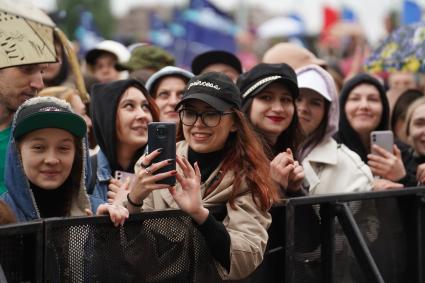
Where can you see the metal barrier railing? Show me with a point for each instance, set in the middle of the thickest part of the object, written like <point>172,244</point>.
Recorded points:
<point>359,237</point>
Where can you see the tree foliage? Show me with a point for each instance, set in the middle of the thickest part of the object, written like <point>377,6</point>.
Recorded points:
<point>100,10</point>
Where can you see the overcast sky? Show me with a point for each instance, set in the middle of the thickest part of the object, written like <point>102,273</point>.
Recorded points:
<point>371,13</point>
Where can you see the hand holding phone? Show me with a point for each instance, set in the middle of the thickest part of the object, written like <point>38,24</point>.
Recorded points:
<point>122,176</point>
<point>163,135</point>
<point>385,163</point>
<point>384,139</point>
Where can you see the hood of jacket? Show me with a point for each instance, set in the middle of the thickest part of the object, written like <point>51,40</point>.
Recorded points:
<point>19,195</point>
<point>104,103</point>
<point>346,134</point>
<point>329,92</point>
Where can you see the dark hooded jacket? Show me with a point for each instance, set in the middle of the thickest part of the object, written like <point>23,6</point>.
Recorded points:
<point>104,103</point>
<point>21,195</point>
<point>348,136</point>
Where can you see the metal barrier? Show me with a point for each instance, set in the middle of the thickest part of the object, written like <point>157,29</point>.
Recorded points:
<point>361,237</point>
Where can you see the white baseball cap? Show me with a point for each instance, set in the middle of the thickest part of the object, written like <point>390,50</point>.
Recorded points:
<point>314,78</point>
<point>111,46</point>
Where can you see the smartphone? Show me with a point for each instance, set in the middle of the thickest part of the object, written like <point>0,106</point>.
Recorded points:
<point>163,135</point>
<point>122,176</point>
<point>384,139</point>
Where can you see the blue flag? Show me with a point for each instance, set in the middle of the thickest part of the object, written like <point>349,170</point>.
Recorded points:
<point>412,12</point>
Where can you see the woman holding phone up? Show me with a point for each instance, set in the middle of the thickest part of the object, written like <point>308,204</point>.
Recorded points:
<point>364,108</point>
<point>120,111</point>
<point>220,162</point>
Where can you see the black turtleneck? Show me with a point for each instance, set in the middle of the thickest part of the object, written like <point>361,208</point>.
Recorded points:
<point>207,162</point>
<point>52,203</point>
<point>215,234</point>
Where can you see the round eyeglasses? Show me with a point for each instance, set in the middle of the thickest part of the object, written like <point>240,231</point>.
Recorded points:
<point>209,118</point>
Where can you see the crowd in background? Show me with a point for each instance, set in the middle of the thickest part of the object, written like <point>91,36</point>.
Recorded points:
<point>292,125</point>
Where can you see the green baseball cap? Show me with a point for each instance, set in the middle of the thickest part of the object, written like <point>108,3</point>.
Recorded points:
<point>47,112</point>
<point>148,57</point>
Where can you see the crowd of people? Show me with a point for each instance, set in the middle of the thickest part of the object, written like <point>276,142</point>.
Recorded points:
<point>245,139</point>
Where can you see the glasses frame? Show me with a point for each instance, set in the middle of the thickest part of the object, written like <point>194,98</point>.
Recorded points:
<point>221,113</point>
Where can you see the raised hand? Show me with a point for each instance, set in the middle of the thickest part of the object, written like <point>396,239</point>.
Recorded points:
<point>386,164</point>
<point>188,196</point>
<point>296,178</point>
<point>281,167</point>
<point>144,182</point>
<point>117,193</point>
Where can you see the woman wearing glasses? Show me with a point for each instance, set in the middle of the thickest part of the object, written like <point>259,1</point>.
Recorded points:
<point>220,162</point>
<point>268,93</point>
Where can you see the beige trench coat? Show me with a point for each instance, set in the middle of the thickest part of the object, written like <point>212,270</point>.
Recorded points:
<point>247,225</point>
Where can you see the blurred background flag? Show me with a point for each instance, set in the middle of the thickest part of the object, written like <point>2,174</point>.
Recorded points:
<point>412,12</point>
<point>202,27</point>
<point>86,33</point>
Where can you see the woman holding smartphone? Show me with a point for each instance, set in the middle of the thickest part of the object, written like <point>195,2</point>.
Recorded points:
<point>120,111</point>
<point>269,92</point>
<point>220,161</point>
<point>45,164</point>
<point>364,108</point>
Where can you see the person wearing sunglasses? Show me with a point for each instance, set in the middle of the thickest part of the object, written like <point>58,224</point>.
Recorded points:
<point>221,161</point>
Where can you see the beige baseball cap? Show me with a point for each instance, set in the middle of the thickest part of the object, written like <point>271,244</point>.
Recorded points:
<point>291,54</point>
<point>26,35</point>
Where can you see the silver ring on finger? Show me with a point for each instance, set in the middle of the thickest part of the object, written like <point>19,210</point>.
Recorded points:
<point>144,165</point>
<point>148,170</point>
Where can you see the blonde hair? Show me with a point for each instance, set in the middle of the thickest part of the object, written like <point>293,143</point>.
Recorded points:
<point>412,108</point>
<point>61,92</point>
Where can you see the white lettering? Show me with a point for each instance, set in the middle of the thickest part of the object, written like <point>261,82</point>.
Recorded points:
<point>203,83</point>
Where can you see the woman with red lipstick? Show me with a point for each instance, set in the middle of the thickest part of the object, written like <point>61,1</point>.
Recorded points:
<point>269,92</point>
<point>364,108</point>
<point>221,161</point>
<point>166,87</point>
<point>120,112</point>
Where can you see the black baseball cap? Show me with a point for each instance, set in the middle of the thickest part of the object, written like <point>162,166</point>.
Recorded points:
<point>252,82</point>
<point>215,89</point>
<point>47,112</point>
<point>203,60</point>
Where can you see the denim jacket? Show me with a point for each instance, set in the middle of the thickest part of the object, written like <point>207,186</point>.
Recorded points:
<point>103,175</point>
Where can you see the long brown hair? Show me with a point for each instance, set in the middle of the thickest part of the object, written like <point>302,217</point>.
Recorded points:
<point>247,158</point>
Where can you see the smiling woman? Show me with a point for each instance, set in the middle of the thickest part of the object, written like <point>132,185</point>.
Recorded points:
<point>269,92</point>
<point>121,111</point>
<point>45,163</point>
<point>220,162</point>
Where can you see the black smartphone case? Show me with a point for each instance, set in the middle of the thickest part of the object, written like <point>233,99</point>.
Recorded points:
<point>163,135</point>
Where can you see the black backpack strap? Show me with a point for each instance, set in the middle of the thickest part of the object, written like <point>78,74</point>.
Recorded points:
<point>93,176</point>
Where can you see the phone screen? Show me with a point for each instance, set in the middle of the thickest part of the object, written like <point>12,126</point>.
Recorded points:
<point>163,135</point>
